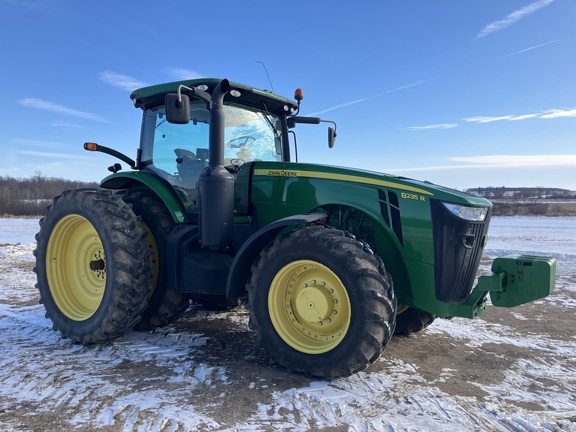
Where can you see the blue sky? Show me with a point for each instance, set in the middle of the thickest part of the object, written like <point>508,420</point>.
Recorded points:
<point>464,93</point>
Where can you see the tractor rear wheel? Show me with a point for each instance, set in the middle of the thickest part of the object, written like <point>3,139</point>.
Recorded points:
<point>92,265</point>
<point>411,320</point>
<point>321,303</point>
<point>165,304</point>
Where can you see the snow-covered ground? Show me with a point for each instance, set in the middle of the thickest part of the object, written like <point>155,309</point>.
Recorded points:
<point>507,370</point>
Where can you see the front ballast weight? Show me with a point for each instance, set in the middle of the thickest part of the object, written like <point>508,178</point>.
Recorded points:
<point>519,279</point>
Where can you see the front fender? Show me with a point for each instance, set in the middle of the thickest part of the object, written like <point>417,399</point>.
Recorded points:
<point>250,250</point>
<point>127,180</point>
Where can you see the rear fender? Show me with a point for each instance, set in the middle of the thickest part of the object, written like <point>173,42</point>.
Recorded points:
<point>250,250</point>
<point>128,180</point>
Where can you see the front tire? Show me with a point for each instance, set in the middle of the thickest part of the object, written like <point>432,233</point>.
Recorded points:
<point>91,265</point>
<point>321,303</point>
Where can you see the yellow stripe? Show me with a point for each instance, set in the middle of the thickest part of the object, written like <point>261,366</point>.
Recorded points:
<point>343,177</point>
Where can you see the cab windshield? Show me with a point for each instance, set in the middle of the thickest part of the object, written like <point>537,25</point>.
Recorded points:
<point>178,153</point>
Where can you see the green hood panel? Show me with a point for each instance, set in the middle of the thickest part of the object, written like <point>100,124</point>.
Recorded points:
<point>400,184</point>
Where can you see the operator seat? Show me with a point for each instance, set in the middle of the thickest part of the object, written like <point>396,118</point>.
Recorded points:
<point>189,168</point>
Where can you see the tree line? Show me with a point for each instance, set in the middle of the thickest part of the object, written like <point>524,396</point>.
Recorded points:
<point>522,192</point>
<point>30,196</point>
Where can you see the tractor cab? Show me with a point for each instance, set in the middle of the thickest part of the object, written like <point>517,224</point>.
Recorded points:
<point>209,128</point>
<point>179,153</point>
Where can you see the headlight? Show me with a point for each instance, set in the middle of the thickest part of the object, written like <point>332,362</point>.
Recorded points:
<point>472,214</point>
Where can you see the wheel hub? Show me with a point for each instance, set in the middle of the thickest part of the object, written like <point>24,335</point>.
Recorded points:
<point>309,306</point>
<point>97,265</point>
<point>313,304</point>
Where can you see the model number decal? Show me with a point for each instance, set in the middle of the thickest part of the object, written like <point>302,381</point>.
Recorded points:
<point>282,173</point>
<point>411,196</point>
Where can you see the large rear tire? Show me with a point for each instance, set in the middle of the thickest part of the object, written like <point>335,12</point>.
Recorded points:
<point>321,303</point>
<point>165,304</point>
<point>92,265</point>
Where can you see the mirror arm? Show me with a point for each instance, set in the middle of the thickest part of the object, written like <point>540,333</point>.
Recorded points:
<point>329,121</point>
<point>197,93</point>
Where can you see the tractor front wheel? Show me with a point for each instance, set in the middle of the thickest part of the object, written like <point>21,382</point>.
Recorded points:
<point>321,303</point>
<point>92,265</point>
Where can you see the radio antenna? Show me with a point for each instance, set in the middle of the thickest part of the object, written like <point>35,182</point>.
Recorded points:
<point>266,70</point>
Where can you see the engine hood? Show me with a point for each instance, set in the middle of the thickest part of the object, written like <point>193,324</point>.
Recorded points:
<point>389,181</point>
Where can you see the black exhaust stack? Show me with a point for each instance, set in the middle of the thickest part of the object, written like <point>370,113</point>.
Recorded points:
<point>216,184</point>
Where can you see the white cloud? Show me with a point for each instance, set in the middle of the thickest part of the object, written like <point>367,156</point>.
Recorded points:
<point>36,142</point>
<point>335,107</point>
<point>119,80</point>
<point>522,117</point>
<point>496,162</point>
<point>530,48</point>
<point>486,119</point>
<point>354,102</point>
<point>185,74</point>
<point>66,125</point>
<point>404,87</point>
<point>434,126</point>
<point>60,109</point>
<point>558,113</point>
<point>51,155</point>
<point>513,17</point>
<point>548,114</point>
<point>515,161</point>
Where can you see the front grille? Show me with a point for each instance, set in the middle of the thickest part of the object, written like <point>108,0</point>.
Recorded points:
<point>458,247</point>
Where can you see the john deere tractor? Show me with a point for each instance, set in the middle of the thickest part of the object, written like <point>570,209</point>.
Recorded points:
<point>330,262</point>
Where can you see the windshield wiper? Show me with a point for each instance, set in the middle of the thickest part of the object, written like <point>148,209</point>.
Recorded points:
<point>267,118</point>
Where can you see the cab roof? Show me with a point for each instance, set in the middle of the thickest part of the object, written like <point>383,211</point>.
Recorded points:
<point>147,97</point>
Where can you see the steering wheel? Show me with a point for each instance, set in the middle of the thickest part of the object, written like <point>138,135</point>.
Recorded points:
<point>241,141</point>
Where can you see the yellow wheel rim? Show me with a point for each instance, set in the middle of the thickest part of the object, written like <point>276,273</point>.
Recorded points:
<point>76,267</point>
<point>309,307</point>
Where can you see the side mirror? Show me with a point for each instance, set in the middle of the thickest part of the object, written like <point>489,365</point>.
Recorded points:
<point>177,108</point>
<point>331,137</point>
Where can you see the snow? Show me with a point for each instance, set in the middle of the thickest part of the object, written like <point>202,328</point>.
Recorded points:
<point>18,230</point>
<point>155,381</point>
<point>550,236</point>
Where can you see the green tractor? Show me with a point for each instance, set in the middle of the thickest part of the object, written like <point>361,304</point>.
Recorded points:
<point>330,262</point>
